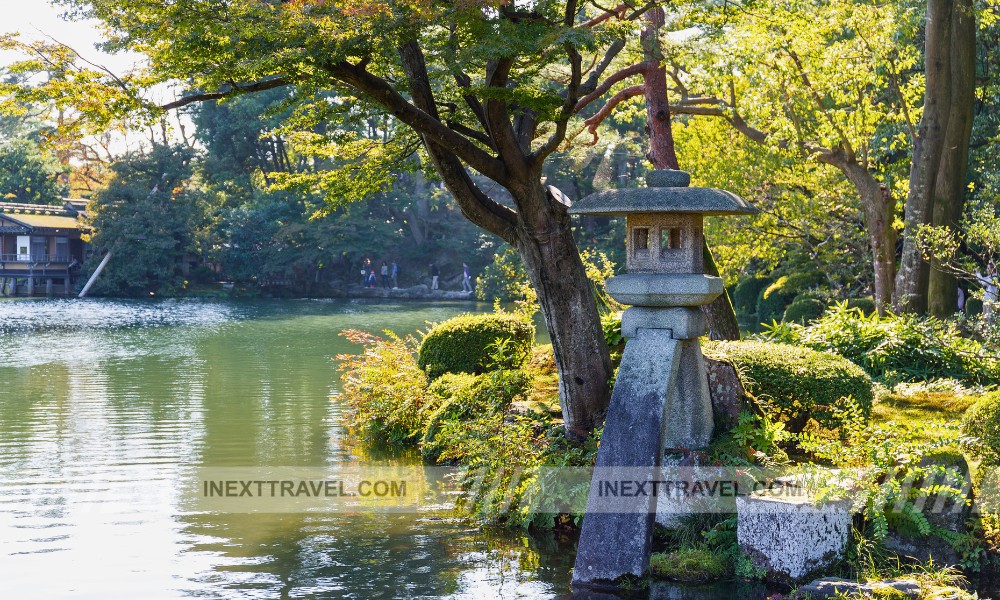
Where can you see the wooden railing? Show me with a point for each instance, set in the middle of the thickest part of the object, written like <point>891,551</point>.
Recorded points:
<point>37,259</point>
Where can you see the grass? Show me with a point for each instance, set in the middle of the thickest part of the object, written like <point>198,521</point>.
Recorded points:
<point>689,565</point>
<point>907,407</point>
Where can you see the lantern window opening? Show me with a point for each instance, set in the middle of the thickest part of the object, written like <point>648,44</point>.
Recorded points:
<point>670,240</point>
<point>640,241</point>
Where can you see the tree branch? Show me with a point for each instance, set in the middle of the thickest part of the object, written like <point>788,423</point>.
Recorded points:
<point>607,84</point>
<point>232,89</point>
<point>423,122</point>
<point>630,92</point>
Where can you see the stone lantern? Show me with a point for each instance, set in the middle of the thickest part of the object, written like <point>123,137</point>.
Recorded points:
<point>660,406</point>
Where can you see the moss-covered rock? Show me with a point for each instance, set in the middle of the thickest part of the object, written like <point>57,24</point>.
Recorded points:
<point>796,384</point>
<point>468,344</point>
<point>688,565</point>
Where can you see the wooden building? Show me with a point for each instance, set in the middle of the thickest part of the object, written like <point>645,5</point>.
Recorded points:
<point>41,249</point>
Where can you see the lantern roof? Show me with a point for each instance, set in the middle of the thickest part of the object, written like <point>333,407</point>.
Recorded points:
<point>667,192</point>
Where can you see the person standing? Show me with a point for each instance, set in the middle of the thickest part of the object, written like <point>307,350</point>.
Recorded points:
<point>466,278</point>
<point>395,275</point>
<point>384,273</point>
<point>435,274</point>
<point>364,272</point>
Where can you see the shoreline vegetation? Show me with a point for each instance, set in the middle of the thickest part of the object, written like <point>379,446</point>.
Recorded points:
<point>917,395</point>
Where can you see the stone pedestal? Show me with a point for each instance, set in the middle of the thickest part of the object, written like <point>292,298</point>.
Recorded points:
<point>790,537</point>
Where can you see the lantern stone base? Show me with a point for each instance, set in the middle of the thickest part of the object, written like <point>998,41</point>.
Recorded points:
<point>664,290</point>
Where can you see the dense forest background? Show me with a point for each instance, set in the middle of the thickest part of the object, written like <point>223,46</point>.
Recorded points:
<point>240,191</point>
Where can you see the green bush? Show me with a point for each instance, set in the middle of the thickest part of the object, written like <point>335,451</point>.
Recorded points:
<point>795,384</point>
<point>804,310</point>
<point>504,279</point>
<point>746,292</point>
<point>468,396</point>
<point>772,301</point>
<point>897,348</point>
<point>981,427</point>
<point>385,390</point>
<point>469,343</point>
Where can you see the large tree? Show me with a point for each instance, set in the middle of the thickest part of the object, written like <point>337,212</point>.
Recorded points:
<point>488,88</point>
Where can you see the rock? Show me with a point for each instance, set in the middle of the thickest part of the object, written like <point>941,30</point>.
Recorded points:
<point>922,548</point>
<point>728,395</point>
<point>831,586</point>
<point>788,536</point>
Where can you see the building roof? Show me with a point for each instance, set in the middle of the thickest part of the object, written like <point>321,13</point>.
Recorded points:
<point>40,216</point>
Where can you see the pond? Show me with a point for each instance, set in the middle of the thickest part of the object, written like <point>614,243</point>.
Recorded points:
<point>109,407</point>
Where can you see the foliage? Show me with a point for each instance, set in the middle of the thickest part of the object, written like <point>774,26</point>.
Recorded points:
<point>383,386</point>
<point>746,292</point>
<point>804,310</point>
<point>896,348</point>
<point>895,472</point>
<point>466,397</point>
<point>795,385</point>
<point>981,425</point>
<point>772,301</point>
<point>689,565</point>
<point>28,175</point>
<point>150,216</point>
<point>465,344</point>
<point>504,279</point>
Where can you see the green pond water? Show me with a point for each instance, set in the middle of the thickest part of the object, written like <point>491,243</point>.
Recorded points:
<point>108,408</point>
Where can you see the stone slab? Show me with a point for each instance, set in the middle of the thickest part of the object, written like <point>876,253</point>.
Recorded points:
<point>616,544</point>
<point>636,289</point>
<point>789,537</point>
<point>684,323</point>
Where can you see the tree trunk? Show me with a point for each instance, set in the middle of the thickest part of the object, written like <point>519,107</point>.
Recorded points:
<point>553,265</point>
<point>950,185</point>
<point>721,316</point>
<point>879,211</point>
<point>911,280</point>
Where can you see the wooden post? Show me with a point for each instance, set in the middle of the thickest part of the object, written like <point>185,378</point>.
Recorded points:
<point>97,273</point>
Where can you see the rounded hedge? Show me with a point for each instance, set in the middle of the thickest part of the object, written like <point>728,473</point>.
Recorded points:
<point>744,295</point>
<point>466,343</point>
<point>981,426</point>
<point>804,310</point>
<point>796,384</point>
<point>771,307</point>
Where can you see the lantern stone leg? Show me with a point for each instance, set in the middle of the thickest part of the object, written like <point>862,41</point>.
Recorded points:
<point>661,402</point>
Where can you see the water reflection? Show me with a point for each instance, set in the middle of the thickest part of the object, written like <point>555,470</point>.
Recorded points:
<point>108,408</point>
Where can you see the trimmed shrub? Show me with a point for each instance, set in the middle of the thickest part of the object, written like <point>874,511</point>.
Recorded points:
<point>773,300</point>
<point>981,426</point>
<point>804,310</point>
<point>468,344</point>
<point>746,292</point>
<point>795,384</point>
